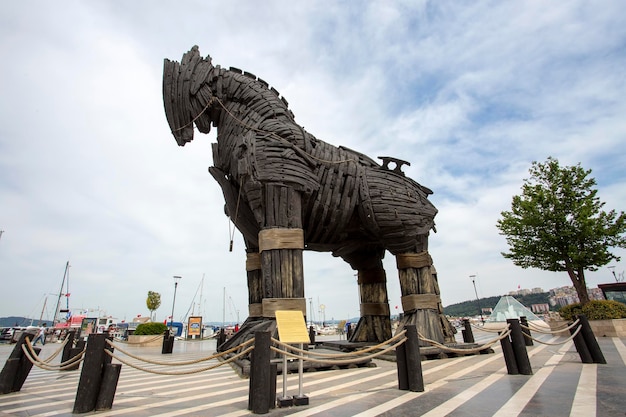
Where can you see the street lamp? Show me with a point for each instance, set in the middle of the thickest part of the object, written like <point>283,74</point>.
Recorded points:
<point>176,278</point>
<point>480,310</point>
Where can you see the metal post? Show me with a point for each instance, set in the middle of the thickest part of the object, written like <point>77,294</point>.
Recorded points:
<point>176,278</point>
<point>480,310</point>
<point>300,399</point>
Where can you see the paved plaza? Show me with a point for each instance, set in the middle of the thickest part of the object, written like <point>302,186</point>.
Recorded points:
<point>464,386</point>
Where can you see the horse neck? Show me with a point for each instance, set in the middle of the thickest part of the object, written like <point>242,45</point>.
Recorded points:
<point>244,102</point>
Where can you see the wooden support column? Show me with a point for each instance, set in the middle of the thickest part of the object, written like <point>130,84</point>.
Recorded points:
<point>281,243</point>
<point>374,324</point>
<point>421,301</point>
<point>255,280</point>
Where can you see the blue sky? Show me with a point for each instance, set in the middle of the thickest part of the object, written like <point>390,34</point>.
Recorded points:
<point>469,92</point>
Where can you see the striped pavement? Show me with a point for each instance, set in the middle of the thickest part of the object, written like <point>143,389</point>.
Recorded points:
<point>465,386</point>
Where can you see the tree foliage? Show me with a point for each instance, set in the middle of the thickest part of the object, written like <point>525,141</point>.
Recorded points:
<point>153,302</point>
<point>557,224</point>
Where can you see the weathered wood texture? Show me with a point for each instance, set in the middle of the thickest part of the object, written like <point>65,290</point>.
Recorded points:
<point>275,174</point>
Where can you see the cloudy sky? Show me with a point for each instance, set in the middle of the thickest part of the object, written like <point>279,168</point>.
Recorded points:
<point>469,92</point>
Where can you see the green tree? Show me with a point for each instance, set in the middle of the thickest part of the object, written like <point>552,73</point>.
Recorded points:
<point>153,302</point>
<point>557,224</point>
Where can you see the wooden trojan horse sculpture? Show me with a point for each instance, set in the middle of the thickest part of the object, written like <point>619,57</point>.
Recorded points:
<point>287,191</point>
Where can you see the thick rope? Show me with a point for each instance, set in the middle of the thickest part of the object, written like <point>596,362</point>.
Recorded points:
<point>117,339</point>
<point>34,355</point>
<point>559,330</point>
<point>281,139</point>
<point>51,357</point>
<point>473,350</point>
<point>45,366</point>
<point>555,343</point>
<point>341,361</point>
<point>195,118</point>
<point>310,353</point>
<point>189,372</point>
<point>484,329</point>
<point>217,355</point>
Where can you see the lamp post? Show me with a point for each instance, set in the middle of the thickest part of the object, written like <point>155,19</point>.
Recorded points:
<point>176,278</point>
<point>612,268</point>
<point>480,310</point>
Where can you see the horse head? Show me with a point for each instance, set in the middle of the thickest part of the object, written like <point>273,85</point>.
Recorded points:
<point>184,99</point>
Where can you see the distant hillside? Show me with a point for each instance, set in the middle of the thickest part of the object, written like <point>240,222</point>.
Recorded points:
<point>14,321</point>
<point>470,308</point>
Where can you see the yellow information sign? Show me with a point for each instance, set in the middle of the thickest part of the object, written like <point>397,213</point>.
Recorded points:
<point>291,327</point>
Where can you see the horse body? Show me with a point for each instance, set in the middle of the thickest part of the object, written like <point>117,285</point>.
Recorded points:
<point>349,200</point>
<point>275,175</point>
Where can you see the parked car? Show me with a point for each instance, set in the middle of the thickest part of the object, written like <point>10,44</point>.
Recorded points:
<point>11,334</point>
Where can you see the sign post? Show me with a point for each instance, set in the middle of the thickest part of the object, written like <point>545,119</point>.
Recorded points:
<point>292,329</point>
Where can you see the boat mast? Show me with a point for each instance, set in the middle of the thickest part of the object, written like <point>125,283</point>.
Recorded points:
<point>45,301</point>
<point>56,311</point>
<point>200,302</point>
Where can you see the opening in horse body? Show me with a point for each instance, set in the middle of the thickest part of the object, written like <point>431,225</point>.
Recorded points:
<point>287,191</point>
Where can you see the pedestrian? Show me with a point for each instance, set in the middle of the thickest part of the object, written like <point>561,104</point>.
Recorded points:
<point>41,335</point>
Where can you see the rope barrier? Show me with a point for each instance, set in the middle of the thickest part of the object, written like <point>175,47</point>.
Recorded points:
<point>340,361</point>
<point>310,353</point>
<point>476,349</point>
<point>34,355</point>
<point>117,339</point>
<point>571,326</point>
<point>188,372</point>
<point>555,343</point>
<point>51,357</point>
<point>35,360</point>
<point>217,355</point>
<point>484,329</point>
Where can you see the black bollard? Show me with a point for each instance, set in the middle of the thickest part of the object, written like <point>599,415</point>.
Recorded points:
<point>468,335</point>
<point>312,335</point>
<point>581,346</point>
<point>221,339</point>
<point>91,374</point>
<point>414,360</point>
<point>168,343</point>
<point>526,331</point>
<point>519,348</point>
<point>273,374</point>
<point>403,375</point>
<point>259,401</point>
<point>17,367</point>
<point>590,340</point>
<point>110,377</point>
<point>66,355</point>
<point>509,356</point>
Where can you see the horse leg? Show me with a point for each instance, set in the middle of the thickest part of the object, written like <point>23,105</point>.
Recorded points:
<point>374,324</point>
<point>421,301</point>
<point>274,270</point>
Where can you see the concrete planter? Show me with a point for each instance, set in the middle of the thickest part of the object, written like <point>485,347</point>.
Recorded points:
<point>608,328</point>
<point>145,340</point>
